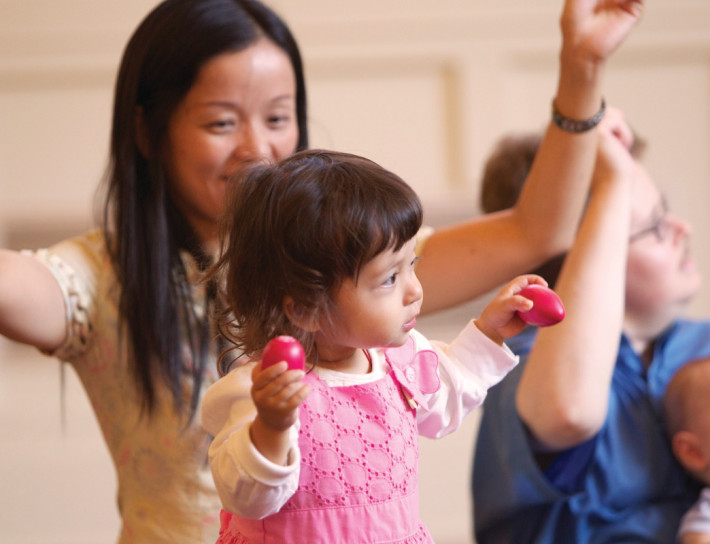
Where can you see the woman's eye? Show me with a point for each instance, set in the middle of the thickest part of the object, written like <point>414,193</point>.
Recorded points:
<point>221,125</point>
<point>278,121</point>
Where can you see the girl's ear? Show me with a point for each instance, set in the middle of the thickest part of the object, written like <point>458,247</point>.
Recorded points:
<point>299,316</point>
<point>687,450</point>
<point>142,140</point>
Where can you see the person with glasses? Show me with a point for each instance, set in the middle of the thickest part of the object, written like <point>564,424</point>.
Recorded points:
<point>572,445</point>
<point>659,225</point>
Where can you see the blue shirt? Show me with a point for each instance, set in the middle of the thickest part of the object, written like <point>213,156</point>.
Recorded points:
<point>623,485</point>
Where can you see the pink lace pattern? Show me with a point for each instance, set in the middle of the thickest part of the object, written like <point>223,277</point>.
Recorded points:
<point>357,447</point>
<point>358,480</point>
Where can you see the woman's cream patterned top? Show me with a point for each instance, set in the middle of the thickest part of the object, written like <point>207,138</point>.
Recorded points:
<point>165,488</point>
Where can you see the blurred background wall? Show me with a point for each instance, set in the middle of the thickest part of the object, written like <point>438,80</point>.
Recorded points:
<point>424,88</point>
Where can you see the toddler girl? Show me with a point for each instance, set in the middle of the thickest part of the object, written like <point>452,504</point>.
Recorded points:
<point>321,246</point>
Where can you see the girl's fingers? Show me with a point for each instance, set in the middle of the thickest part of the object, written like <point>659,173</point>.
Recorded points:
<point>296,398</point>
<point>521,303</point>
<point>285,396</point>
<point>262,378</point>
<point>280,411</point>
<point>277,388</point>
<point>520,283</point>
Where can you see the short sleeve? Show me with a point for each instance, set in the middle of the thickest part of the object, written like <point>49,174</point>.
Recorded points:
<point>74,264</point>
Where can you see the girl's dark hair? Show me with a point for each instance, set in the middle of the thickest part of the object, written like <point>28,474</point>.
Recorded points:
<point>299,228</point>
<point>144,230</point>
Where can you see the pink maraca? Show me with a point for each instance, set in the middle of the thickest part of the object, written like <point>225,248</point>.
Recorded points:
<point>284,348</point>
<point>547,307</point>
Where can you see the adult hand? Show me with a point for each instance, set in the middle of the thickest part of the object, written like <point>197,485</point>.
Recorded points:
<point>615,125</point>
<point>595,28</point>
<point>614,163</point>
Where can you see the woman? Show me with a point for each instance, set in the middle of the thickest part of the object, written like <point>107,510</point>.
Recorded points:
<point>204,87</point>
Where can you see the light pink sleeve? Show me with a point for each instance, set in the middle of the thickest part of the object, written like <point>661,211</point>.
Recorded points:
<point>468,367</point>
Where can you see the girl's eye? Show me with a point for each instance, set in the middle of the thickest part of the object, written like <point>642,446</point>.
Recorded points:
<point>391,280</point>
<point>414,262</point>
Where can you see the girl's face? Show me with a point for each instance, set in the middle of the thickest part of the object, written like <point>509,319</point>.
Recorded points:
<point>377,311</point>
<point>661,275</point>
<point>241,108</point>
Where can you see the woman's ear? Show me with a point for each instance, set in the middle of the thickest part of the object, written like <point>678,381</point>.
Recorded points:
<point>688,451</point>
<point>301,317</point>
<point>142,140</point>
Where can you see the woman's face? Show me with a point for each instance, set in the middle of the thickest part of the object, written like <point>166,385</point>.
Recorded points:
<point>241,108</point>
<point>661,274</point>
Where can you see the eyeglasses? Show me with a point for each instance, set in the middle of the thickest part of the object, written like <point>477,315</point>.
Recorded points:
<point>660,227</point>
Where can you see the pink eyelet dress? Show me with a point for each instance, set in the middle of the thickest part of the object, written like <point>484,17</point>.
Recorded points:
<point>358,478</point>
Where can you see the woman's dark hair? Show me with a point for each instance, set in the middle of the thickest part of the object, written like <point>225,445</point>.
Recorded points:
<point>144,230</point>
<point>299,228</point>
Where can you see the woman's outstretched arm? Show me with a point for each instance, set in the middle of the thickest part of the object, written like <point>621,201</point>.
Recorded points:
<point>466,260</point>
<point>32,309</point>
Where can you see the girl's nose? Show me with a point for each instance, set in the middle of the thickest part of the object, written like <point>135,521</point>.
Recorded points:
<point>414,289</point>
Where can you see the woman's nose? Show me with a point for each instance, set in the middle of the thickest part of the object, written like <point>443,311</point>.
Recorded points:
<point>252,144</point>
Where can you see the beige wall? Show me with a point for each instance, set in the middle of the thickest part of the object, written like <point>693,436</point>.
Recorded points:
<point>423,87</point>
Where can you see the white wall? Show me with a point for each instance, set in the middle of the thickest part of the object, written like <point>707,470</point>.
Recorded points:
<point>422,87</point>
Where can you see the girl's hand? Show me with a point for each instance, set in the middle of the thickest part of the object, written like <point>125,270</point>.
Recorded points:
<point>499,319</point>
<point>595,28</point>
<point>277,393</point>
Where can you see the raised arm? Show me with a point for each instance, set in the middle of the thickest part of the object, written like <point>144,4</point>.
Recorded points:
<point>31,303</point>
<point>466,260</point>
<point>564,390</point>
